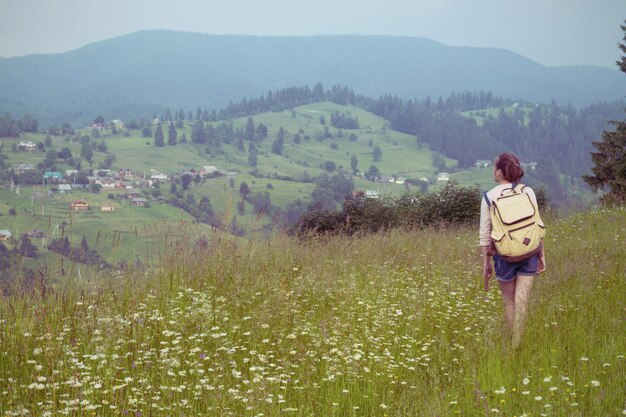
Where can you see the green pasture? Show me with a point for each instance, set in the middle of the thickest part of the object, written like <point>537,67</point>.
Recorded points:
<point>482,114</point>
<point>391,324</point>
<point>126,233</point>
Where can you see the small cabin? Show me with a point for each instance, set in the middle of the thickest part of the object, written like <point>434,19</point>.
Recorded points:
<point>79,205</point>
<point>443,176</point>
<point>5,235</point>
<point>138,201</point>
<point>107,208</point>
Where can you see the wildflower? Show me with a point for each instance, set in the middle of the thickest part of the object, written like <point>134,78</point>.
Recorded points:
<point>383,406</point>
<point>538,398</point>
<point>595,383</point>
<point>584,358</point>
<point>547,379</point>
<point>502,390</point>
<point>525,381</point>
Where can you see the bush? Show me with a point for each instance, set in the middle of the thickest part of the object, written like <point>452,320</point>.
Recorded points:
<point>453,204</point>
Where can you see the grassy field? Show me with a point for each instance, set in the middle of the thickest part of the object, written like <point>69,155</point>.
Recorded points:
<point>391,324</point>
<point>481,115</point>
<point>126,233</point>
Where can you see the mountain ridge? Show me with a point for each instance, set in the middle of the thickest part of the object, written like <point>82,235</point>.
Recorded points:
<point>149,71</point>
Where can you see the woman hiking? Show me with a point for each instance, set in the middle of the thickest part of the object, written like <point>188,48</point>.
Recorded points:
<point>515,278</point>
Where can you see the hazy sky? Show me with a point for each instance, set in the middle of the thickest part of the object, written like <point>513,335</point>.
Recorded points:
<point>551,32</point>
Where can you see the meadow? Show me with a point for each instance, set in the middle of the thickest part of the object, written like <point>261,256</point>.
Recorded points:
<point>392,324</point>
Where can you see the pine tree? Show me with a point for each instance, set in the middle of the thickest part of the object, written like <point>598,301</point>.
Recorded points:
<point>158,136</point>
<point>250,129</point>
<point>610,159</point>
<point>171,134</point>
<point>198,135</point>
<point>27,249</point>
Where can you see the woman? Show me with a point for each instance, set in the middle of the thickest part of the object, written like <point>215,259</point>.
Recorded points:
<point>515,279</point>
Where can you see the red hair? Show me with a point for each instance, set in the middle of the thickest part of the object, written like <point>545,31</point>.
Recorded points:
<point>510,167</point>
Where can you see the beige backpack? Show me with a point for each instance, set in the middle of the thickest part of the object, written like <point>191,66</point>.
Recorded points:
<point>517,230</point>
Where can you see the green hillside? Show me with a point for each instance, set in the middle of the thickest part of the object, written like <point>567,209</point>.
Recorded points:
<point>129,232</point>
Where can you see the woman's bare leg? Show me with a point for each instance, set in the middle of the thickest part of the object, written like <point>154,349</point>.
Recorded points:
<point>524,283</point>
<point>508,298</point>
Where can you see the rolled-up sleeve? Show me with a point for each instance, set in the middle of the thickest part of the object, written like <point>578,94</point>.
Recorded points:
<point>484,234</point>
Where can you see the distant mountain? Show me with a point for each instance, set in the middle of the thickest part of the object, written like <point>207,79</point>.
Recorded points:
<point>145,72</point>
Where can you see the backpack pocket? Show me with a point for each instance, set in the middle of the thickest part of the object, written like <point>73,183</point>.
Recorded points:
<point>496,236</point>
<point>514,208</point>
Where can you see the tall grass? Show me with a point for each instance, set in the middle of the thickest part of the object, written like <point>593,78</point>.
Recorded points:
<point>390,324</point>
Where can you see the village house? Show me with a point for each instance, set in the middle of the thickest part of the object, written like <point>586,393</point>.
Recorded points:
<point>52,177</point>
<point>530,166</point>
<point>109,183</point>
<point>482,163</point>
<point>138,201</point>
<point>131,193</point>
<point>79,205</point>
<point>102,172</point>
<point>5,235</point>
<point>208,170</point>
<point>64,188</point>
<point>443,176</point>
<point>107,208</point>
<point>22,168</point>
<point>117,124</point>
<point>126,173</point>
<point>27,146</point>
<point>97,126</point>
<point>159,177</point>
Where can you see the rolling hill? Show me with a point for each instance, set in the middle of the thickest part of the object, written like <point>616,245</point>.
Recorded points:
<point>141,232</point>
<point>145,72</point>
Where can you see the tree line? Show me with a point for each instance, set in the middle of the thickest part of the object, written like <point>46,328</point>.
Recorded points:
<point>546,133</point>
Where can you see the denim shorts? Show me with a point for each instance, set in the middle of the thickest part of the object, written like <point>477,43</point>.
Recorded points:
<point>506,271</point>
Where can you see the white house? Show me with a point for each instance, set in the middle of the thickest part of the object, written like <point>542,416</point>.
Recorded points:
<point>443,176</point>
<point>159,177</point>
<point>27,146</point>
<point>118,124</point>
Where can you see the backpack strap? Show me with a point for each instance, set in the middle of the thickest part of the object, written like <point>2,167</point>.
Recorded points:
<point>486,199</point>
<point>516,187</point>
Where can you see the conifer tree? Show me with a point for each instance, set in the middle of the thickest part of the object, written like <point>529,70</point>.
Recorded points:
<point>250,129</point>
<point>171,134</point>
<point>158,136</point>
<point>610,159</point>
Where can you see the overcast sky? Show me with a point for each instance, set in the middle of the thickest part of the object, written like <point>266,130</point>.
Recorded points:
<point>551,32</point>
